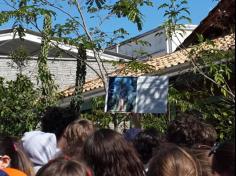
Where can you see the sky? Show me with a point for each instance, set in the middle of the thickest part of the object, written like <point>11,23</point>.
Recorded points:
<point>153,18</point>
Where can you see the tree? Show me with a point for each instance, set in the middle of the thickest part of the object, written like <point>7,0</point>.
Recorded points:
<point>213,68</point>
<point>214,99</point>
<point>19,106</point>
<point>75,31</point>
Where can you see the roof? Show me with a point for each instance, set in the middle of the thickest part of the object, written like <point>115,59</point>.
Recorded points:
<point>9,41</point>
<point>160,64</point>
<point>219,21</point>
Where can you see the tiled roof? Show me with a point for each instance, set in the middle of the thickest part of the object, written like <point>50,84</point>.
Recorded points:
<point>160,63</point>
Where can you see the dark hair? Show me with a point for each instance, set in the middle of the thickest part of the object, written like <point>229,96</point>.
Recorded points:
<point>63,167</point>
<point>187,130</point>
<point>56,119</point>
<point>172,160</point>
<point>224,159</point>
<point>75,135</point>
<point>9,146</point>
<point>108,153</point>
<point>145,143</point>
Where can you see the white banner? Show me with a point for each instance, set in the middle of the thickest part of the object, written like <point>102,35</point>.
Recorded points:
<point>145,94</point>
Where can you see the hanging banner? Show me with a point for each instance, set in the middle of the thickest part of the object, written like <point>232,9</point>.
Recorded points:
<point>145,94</point>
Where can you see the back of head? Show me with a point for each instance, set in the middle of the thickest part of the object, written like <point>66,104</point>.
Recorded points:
<point>145,143</point>
<point>201,153</point>
<point>172,160</point>
<point>223,161</point>
<point>75,135</point>
<point>7,148</point>
<point>187,130</point>
<point>63,167</point>
<point>18,159</point>
<point>40,147</point>
<point>108,153</point>
<point>56,119</point>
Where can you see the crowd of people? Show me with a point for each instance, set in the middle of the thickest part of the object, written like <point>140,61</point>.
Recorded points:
<point>69,146</point>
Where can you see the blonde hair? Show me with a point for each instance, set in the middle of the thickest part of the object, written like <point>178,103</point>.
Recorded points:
<point>172,160</point>
<point>75,135</point>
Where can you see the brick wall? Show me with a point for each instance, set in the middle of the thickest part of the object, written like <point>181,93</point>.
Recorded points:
<point>64,70</point>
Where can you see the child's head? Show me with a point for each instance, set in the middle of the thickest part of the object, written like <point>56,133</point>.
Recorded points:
<point>75,135</point>
<point>146,142</point>
<point>188,130</point>
<point>56,119</point>
<point>8,153</point>
<point>64,167</point>
<point>223,162</point>
<point>108,153</point>
<point>201,153</point>
<point>172,160</point>
<point>41,147</point>
<point>12,155</point>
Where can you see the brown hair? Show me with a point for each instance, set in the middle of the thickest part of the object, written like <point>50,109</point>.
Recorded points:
<point>75,135</point>
<point>63,167</point>
<point>172,160</point>
<point>187,130</point>
<point>11,147</point>
<point>108,153</point>
<point>201,153</point>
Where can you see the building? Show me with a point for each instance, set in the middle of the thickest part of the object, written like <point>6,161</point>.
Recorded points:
<point>178,62</point>
<point>153,43</point>
<point>61,64</point>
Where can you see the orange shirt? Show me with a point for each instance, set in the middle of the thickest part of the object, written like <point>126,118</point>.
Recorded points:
<point>14,172</point>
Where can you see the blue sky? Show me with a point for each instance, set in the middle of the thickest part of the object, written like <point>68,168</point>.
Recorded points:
<point>152,17</point>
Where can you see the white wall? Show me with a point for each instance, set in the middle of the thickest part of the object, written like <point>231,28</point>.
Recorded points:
<point>157,46</point>
<point>158,40</point>
<point>178,39</point>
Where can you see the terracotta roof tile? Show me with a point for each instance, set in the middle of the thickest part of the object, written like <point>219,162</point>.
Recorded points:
<point>160,63</point>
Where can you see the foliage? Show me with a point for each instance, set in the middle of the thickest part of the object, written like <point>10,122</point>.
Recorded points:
<point>129,9</point>
<point>19,59</point>
<point>80,78</point>
<point>187,95</point>
<point>117,121</point>
<point>176,13</point>
<point>20,103</point>
<point>210,89</point>
<point>97,115</point>
<point>74,32</point>
<point>216,77</point>
<point>45,78</point>
<point>19,106</point>
<point>158,122</point>
<point>103,119</point>
<point>219,65</point>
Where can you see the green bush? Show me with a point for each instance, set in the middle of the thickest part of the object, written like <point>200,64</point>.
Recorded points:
<point>19,106</point>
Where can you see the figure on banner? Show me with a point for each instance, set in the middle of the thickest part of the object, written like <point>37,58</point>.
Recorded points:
<point>122,94</point>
